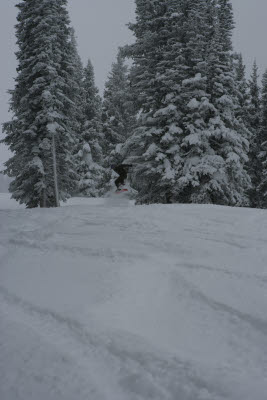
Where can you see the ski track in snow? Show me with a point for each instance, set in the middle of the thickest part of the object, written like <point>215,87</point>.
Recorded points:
<point>102,300</point>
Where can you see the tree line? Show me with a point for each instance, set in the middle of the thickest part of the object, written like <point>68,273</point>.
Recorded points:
<point>183,116</point>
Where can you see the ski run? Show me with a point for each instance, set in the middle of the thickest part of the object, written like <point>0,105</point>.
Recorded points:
<point>104,300</point>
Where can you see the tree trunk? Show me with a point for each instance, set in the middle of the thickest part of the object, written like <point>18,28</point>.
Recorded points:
<point>43,199</point>
<point>57,204</point>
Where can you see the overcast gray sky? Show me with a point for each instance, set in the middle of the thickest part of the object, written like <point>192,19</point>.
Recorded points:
<point>100,29</point>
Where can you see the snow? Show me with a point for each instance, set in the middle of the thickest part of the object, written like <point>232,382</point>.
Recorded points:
<point>87,148</point>
<point>104,301</point>
<point>37,163</point>
<point>166,110</point>
<point>53,127</point>
<point>193,104</point>
<point>193,80</point>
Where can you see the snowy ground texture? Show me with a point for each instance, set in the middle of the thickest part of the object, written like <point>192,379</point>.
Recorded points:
<point>102,300</point>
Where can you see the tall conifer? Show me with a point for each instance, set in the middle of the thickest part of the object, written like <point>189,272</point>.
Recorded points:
<point>228,134</point>
<point>189,145</point>
<point>94,178</point>
<point>156,79</point>
<point>254,122</point>
<point>196,182</point>
<point>92,129</point>
<point>78,91</point>
<point>242,88</point>
<point>262,186</point>
<point>119,113</point>
<point>40,134</point>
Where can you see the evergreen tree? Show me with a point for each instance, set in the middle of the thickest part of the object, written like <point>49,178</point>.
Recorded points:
<point>95,180</point>
<point>40,135</point>
<point>229,181</point>
<point>189,145</point>
<point>78,92</point>
<point>156,79</point>
<point>119,113</point>
<point>92,129</point>
<point>262,187</point>
<point>242,91</point>
<point>196,181</point>
<point>254,112</point>
<point>254,122</point>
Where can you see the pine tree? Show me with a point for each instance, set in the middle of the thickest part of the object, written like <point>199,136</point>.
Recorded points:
<point>228,134</point>
<point>95,179</point>
<point>40,135</point>
<point>254,113</point>
<point>92,129</point>
<point>242,89</point>
<point>254,122</point>
<point>198,159</point>
<point>78,91</point>
<point>189,145</point>
<point>262,187</point>
<point>119,113</point>
<point>156,79</point>
<point>78,115</point>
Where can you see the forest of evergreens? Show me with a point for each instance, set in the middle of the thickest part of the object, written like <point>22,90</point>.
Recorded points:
<point>183,116</point>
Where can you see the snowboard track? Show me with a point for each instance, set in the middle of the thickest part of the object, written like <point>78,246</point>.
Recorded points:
<point>142,371</point>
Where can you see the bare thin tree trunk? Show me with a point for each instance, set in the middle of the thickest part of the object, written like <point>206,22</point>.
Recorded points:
<point>43,199</point>
<point>55,170</point>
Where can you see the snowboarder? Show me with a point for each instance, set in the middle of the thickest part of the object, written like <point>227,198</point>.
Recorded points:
<point>122,170</point>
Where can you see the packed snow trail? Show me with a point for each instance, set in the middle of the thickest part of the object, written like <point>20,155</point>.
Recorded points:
<point>102,300</point>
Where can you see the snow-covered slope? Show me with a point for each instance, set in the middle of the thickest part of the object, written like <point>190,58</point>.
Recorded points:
<point>103,301</point>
